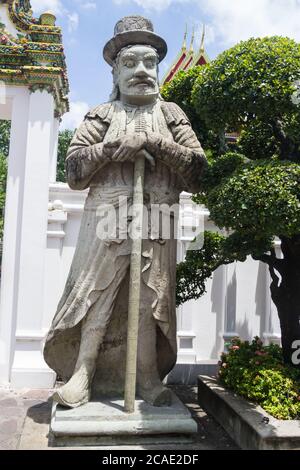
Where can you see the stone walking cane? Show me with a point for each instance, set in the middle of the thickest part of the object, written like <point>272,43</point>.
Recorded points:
<point>135,283</point>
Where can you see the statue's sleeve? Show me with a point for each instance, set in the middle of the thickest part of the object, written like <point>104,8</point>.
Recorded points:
<point>185,153</point>
<point>85,155</point>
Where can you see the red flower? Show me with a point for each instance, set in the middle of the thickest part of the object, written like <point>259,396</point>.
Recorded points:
<point>260,353</point>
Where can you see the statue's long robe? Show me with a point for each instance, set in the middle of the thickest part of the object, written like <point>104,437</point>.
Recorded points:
<point>98,277</point>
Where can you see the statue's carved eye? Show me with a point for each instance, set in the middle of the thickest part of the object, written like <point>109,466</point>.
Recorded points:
<point>130,63</point>
<point>150,63</point>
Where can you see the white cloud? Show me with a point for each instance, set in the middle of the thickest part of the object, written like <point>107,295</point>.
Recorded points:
<point>39,6</point>
<point>73,21</point>
<point>74,118</point>
<point>89,6</point>
<point>209,33</point>
<point>230,21</point>
<point>157,5</point>
<point>233,21</point>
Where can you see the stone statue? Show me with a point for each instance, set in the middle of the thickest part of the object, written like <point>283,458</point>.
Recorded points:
<point>86,345</point>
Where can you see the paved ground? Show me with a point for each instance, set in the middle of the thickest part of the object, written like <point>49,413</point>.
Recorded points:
<point>25,417</point>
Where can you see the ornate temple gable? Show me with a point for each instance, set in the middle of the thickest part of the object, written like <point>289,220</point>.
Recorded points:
<point>201,58</point>
<point>190,56</point>
<point>178,62</point>
<point>187,58</point>
<point>31,51</point>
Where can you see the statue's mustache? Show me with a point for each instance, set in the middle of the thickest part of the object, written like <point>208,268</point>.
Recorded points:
<point>137,81</point>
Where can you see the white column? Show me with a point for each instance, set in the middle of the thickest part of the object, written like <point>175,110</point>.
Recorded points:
<point>12,230</point>
<point>190,224</point>
<point>53,151</point>
<point>29,368</point>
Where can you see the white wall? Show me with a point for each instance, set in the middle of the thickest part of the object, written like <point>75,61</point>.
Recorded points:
<point>32,144</point>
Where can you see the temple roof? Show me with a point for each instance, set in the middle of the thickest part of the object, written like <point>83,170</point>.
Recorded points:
<point>31,51</point>
<point>187,58</point>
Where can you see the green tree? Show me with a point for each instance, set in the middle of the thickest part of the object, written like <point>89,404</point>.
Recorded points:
<point>4,150</point>
<point>3,177</point>
<point>254,192</point>
<point>64,140</point>
<point>4,137</point>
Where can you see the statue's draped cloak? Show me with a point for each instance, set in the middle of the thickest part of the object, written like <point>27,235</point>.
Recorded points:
<point>98,277</point>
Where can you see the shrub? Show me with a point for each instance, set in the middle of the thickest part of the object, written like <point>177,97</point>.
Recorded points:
<point>258,373</point>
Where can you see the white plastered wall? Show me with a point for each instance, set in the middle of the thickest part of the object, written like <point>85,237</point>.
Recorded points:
<point>32,144</point>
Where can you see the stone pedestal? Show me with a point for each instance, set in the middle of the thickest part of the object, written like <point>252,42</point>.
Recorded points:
<point>106,423</point>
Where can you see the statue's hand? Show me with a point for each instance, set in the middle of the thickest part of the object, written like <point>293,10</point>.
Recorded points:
<point>127,147</point>
<point>109,149</point>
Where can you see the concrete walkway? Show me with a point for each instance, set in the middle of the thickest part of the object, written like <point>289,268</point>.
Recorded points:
<point>25,417</point>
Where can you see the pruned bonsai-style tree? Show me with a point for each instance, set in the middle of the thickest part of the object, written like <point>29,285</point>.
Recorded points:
<point>251,188</point>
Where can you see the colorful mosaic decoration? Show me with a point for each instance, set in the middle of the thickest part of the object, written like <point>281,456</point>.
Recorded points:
<point>35,57</point>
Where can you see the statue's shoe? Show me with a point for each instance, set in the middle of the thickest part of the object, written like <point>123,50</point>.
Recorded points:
<point>157,396</point>
<point>59,397</point>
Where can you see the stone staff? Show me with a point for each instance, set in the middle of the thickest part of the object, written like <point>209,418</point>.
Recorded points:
<point>135,285</point>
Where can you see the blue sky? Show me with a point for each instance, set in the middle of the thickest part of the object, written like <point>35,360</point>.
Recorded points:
<point>89,24</point>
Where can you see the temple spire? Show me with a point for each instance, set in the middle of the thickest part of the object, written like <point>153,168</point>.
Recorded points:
<point>192,41</point>
<point>187,58</point>
<point>184,38</point>
<point>202,49</point>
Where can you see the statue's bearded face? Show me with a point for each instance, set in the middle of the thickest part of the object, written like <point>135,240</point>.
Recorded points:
<point>138,73</point>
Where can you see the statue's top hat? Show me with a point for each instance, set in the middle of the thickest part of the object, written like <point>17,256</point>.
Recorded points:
<point>130,31</point>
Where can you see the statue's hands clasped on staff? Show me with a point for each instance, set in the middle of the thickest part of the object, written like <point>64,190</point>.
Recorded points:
<point>129,148</point>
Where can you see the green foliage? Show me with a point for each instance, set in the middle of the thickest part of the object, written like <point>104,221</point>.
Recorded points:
<point>64,140</point>
<point>251,191</point>
<point>179,90</point>
<point>4,137</point>
<point>217,171</point>
<point>4,151</point>
<point>255,137</point>
<point>261,194</point>
<point>254,79</point>
<point>198,267</point>
<point>258,373</point>
<point>3,177</point>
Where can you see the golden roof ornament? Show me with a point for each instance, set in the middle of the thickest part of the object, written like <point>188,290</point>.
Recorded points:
<point>48,18</point>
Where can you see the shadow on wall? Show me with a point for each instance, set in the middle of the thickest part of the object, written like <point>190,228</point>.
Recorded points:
<point>218,307</point>
<point>261,297</point>
<point>187,374</point>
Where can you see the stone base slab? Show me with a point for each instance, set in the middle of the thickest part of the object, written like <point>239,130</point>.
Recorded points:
<point>106,423</point>
<point>251,427</point>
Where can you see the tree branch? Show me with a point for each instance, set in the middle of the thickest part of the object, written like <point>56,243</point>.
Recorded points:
<point>287,146</point>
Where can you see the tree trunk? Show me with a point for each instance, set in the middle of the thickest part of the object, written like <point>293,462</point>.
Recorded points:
<point>285,293</point>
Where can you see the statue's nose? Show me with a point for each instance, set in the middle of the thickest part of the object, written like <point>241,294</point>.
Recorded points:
<point>140,70</point>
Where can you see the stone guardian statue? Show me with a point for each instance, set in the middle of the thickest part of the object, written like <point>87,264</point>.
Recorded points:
<point>86,345</point>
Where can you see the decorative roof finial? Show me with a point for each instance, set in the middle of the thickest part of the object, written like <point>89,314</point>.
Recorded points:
<point>192,41</point>
<point>202,50</point>
<point>48,18</point>
<point>185,37</point>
